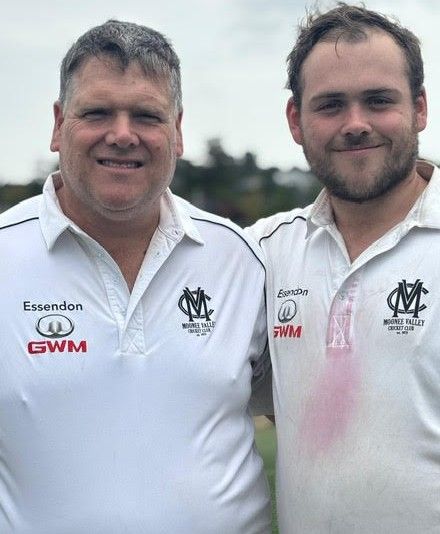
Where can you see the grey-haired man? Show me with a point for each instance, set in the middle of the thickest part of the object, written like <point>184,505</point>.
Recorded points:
<point>126,364</point>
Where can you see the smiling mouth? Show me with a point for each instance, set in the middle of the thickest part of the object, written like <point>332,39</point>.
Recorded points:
<point>357,148</point>
<point>115,164</point>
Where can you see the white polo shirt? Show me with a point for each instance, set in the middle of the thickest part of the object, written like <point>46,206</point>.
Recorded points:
<point>356,361</point>
<point>128,413</point>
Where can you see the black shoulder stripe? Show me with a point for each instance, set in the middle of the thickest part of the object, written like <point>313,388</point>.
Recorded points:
<point>236,233</point>
<point>20,222</point>
<point>279,226</point>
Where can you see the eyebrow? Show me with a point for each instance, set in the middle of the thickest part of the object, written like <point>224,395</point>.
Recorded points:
<point>323,96</point>
<point>381,91</point>
<point>367,92</point>
<point>97,104</point>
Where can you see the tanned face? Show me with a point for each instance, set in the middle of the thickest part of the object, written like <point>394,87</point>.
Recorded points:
<point>358,123</point>
<point>118,137</point>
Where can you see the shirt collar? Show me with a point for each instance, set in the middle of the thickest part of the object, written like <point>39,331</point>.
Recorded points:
<point>52,219</point>
<point>174,220</point>
<point>320,214</point>
<point>424,213</point>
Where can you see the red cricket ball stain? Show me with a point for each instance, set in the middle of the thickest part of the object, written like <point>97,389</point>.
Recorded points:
<point>334,397</point>
<point>332,403</point>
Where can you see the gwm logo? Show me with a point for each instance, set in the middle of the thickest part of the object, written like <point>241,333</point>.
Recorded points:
<point>66,345</point>
<point>287,311</point>
<point>287,330</point>
<point>194,304</point>
<point>54,327</point>
<point>406,299</point>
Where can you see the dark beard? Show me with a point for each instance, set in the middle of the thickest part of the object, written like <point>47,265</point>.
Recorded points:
<point>397,167</point>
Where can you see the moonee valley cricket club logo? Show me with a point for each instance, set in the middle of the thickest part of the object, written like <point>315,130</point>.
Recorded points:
<point>195,305</point>
<point>406,303</point>
<point>406,298</point>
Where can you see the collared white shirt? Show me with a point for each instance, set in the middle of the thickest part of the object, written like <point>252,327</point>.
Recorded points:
<point>128,412</point>
<point>355,351</point>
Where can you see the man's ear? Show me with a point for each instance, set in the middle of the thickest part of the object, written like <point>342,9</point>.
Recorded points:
<point>293,118</point>
<point>421,109</point>
<point>179,135</point>
<point>58,121</point>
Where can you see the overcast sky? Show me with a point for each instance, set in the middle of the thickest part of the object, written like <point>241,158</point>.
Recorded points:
<point>233,64</point>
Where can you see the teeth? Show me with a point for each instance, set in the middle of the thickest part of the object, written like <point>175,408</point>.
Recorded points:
<point>119,164</point>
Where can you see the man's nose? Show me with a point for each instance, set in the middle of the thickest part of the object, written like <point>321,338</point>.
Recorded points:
<point>121,132</point>
<point>356,121</point>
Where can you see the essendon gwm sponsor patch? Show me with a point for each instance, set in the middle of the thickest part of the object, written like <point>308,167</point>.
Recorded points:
<point>55,326</point>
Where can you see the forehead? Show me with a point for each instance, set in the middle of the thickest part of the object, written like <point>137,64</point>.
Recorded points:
<point>104,77</point>
<point>343,66</point>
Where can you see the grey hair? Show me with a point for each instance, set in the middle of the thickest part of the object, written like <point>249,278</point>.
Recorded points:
<point>124,42</point>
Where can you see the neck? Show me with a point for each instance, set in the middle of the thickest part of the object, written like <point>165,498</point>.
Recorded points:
<point>126,244</point>
<point>361,224</point>
<point>125,240</point>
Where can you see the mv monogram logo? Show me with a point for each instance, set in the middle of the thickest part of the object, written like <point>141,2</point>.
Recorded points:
<point>194,304</point>
<point>406,298</point>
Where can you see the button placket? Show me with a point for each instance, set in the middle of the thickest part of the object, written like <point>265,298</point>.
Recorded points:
<point>340,317</point>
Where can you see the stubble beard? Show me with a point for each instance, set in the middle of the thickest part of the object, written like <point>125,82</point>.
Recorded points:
<point>396,168</point>
<point>79,196</point>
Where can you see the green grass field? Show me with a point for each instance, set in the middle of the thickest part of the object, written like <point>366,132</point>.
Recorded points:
<point>266,443</point>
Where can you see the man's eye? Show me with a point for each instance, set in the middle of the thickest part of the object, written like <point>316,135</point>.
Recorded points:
<point>328,107</point>
<point>148,118</point>
<point>379,102</point>
<point>95,114</point>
